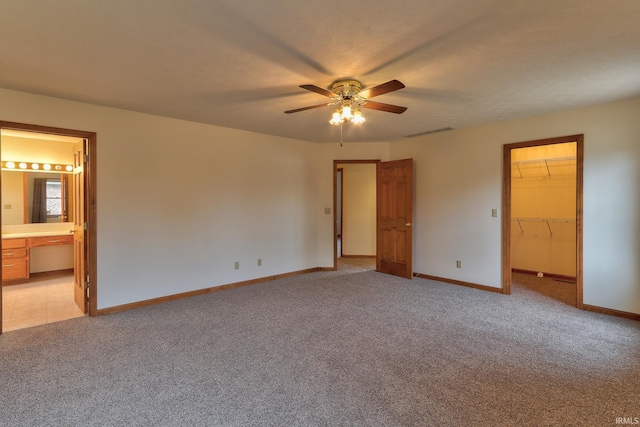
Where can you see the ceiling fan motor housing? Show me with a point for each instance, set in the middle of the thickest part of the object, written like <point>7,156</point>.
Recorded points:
<point>346,88</point>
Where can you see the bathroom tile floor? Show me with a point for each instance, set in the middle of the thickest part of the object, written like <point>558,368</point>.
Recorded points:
<point>42,300</point>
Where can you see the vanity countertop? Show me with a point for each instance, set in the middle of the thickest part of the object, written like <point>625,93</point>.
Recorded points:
<point>36,234</point>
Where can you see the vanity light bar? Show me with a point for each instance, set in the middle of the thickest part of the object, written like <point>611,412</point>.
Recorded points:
<point>40,167</point>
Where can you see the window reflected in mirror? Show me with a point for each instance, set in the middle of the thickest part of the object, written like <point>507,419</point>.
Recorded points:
<point>36,197</point>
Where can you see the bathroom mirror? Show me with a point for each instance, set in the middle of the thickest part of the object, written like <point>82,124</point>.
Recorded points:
<point>36,197</point>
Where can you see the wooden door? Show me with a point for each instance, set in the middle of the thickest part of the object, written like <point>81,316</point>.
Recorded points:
<point>395,218</point>
<point>79,265</point>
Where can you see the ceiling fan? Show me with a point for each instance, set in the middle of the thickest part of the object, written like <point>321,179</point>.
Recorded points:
<point>350,98</point>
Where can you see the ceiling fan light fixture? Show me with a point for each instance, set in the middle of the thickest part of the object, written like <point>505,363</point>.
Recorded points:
<point>345,114</point>
<point>357,117</point>
<point>336,118</point>
<point>346,110</point>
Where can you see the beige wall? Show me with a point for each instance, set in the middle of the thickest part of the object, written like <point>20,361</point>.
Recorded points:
<point>459,181</point>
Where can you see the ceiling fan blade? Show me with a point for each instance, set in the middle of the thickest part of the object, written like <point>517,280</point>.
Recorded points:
<point>381,89</point>
<point>319,90</point>
<point>297,110</point>
<point>385,107</point>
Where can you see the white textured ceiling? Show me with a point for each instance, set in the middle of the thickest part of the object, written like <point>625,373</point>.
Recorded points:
<point>239,63</point>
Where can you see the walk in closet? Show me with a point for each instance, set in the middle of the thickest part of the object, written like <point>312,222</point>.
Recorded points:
<point>543,210</point>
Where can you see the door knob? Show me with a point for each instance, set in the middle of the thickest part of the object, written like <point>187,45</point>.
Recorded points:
<point>408,224</point>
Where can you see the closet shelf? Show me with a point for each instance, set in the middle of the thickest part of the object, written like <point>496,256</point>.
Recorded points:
<point>555,166</point>
<point>547,221</point>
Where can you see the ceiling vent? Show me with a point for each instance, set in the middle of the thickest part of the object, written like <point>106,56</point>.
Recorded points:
<point>429,132</point>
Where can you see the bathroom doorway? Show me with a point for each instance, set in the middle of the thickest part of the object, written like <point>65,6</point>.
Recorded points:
<point>47,212</point>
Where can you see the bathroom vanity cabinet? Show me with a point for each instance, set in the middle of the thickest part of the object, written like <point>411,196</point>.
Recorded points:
<point>15,253</point>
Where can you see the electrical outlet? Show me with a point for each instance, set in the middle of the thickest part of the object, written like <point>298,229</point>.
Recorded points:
<point>458,264</point>
<point>237,265</point>
<point>494,213</point>
<point>259,262</point>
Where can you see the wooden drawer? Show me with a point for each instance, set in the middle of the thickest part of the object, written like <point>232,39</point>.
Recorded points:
<point>50,240</point>
<point>14,253</point>
<point>14,243</point>
<point>15,269</point>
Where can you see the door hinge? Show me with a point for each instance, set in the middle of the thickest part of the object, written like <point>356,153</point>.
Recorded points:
<point>86,158</point>
<point>86,226</point>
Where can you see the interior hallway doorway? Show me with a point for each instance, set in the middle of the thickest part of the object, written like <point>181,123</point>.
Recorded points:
<point>354,209</point>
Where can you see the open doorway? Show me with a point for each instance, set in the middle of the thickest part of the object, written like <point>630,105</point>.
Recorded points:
<point>48,208</point>
<point>355,213</point>
<point>388,226</point>
<point>542,218</point>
